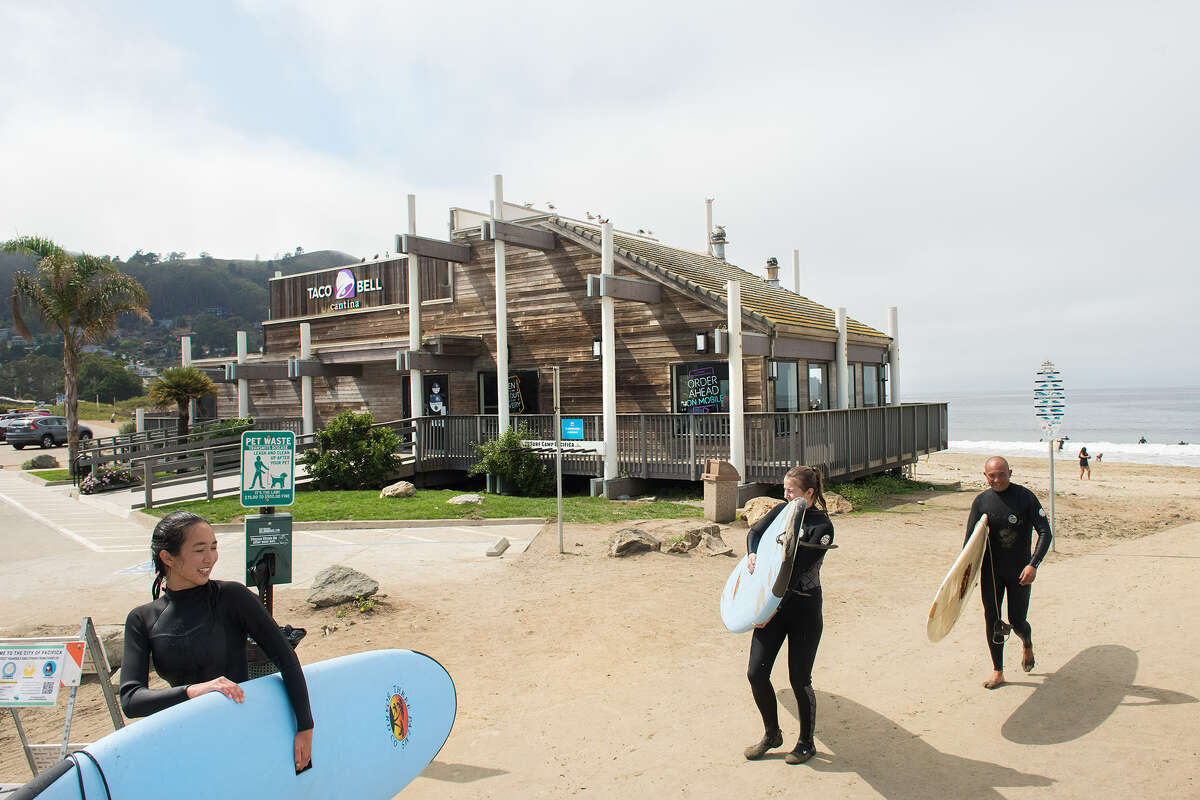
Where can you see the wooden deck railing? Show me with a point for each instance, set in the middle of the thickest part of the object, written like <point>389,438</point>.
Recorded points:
<point>843,443</point>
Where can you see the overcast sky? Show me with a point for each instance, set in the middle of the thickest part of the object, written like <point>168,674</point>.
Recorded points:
<point>1020,178</point>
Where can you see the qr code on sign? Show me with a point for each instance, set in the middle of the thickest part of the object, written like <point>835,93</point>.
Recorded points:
<point>48,686</point>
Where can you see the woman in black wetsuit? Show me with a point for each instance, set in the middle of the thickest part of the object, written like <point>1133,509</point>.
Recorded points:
<point>196,632</point>
<point>1083,463</point>
<point>798,620</point>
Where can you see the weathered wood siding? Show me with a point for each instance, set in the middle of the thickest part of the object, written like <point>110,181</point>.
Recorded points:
<point>552,322</point>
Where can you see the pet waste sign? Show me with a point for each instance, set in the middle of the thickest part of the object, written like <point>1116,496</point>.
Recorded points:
<point>268,463</point>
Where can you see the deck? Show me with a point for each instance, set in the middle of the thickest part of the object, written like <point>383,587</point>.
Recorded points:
<point>844,443</point>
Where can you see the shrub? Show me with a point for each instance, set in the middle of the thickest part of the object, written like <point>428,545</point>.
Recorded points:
<point>102,479</point>
<point>508,459</point>
<point>127,427</point>
<point>227,427</point>
<point>350,454</point>
<point>44,461</point>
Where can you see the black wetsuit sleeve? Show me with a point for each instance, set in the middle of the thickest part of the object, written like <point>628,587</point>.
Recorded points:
<point>820,533</point>
<point>1041,524</point>
<point>759,528</point>
<point>262,629</point>
<point>137,700</point>
<point>973,518</point>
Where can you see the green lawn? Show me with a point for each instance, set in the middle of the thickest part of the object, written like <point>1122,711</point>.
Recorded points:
<point>869,494</point>
<point>52,474</point>
<point>431,504</point>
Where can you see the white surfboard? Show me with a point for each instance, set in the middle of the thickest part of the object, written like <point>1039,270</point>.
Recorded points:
<point>952,595</point>
<point>379,718</point>
<point>748,599</point>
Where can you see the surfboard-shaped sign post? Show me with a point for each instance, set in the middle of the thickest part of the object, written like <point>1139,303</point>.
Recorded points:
<point>1049,406</point>
<point>380,718</point>
<point>960,581</point>
<point>749,599</point>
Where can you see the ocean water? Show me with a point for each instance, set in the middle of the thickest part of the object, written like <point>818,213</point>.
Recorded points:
<point>1108,421</point>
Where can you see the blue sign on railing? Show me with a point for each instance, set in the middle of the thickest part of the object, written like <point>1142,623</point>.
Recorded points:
<point>572,428</point>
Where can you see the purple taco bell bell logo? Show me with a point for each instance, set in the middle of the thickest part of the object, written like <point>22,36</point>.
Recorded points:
<point>343,285</point>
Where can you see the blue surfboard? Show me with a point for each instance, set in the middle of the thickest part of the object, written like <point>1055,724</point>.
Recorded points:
<point>748,599</point>
<point>379,718</point>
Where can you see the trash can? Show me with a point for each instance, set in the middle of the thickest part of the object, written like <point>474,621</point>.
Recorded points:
<point>720,490</point>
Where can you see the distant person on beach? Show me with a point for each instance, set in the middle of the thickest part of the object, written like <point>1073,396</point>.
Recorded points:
<point>1008,566</point>
<point>1083,463</point>
<point>798,620</point>
<point>195,632</point>
<point>1142,440</point>
<point>1099,457</point>
<point>1060,443</point>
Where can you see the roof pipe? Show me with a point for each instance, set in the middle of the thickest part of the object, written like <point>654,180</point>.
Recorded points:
<point>416,380</point>
<point>894,356</point>
<point>843,364</point>
<point>501,314</point>
<point>708,226</point>
<point>796,270</point>
<point>608,360</point>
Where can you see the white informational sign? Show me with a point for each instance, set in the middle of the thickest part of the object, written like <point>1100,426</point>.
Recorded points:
<point>30,675</point>
<point>581,447</point>
<point>1049,399</point>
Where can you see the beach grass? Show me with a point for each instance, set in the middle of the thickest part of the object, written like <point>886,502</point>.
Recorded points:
<point>872,492</point>
<point>432,504</point>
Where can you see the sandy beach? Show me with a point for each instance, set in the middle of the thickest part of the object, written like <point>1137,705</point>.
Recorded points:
<point>584,675</point>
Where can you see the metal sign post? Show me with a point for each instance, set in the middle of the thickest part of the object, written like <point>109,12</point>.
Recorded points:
<point>1049,405</point>
<point>268,472</point>
<point>558,424</point>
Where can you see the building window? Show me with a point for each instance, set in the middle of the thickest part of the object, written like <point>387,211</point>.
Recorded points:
<point>787,386</point>
<point>700,387</point>
<point>522,393</point>
<point>870,385</point>
<point>853,394</point>
<point>818,385</point>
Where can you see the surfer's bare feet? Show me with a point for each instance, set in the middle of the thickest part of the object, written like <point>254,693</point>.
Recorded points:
<point>1027,661</point>
<point>994,682</point>
<point>770,739</point>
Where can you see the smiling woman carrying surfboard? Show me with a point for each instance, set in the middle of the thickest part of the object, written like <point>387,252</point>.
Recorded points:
<point>797,619</point>
<point>196,630</point>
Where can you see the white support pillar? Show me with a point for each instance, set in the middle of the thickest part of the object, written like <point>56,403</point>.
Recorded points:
<point>737,402</point>
<point>415,379</point>
<point>307,414</point>
<point>796,270</point>
<point>243,384</point>
<point>501,315</point>
<point>185,359</point>
<point>139,420</point>
<point>894,356</point>
<point>843,365</point>
<point>608,357</point>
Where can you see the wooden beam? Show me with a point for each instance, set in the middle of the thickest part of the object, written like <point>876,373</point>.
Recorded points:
<point>753,344</point>
<point>298,368</point>
<point>803,348</point>
<point>520,235</point>
<point>447,345</point>
<point>433,248</point>
<point>215,374</point>
<point>622,288</point>
<point>258,372</point>
<point>867,353</point>
<point>408,360</point>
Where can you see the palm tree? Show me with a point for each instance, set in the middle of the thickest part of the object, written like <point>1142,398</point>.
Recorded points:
<point>178,385</point>
<point>80,296</point>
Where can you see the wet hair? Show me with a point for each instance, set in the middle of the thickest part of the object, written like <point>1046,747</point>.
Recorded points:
<point>808,478</point>
<point>169,534</point>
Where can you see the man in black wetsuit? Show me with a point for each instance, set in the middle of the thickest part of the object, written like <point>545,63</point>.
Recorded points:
<point>1008,567</point>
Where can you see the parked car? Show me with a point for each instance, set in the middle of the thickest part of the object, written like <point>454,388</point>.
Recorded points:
<point>46,431</point>
<point>10,417</point>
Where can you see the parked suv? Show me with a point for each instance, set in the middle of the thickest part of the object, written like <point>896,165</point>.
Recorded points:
<point>46,431</point>
<point>10,417</point>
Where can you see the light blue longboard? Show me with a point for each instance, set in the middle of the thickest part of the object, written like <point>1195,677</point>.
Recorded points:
<point>749,599</point>
<point>379,718</point>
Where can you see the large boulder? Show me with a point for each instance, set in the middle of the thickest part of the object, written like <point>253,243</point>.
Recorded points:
<point>837,504</point>
<point>757,508</point>
<point>712,544</point>
<point>399,489</point>
<point>691,538</point>
<point>628,541</point>
<point>340,584</point>
<point>463,499</point>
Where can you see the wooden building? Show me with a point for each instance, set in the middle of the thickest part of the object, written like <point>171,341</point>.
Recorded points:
<point>348,330</point>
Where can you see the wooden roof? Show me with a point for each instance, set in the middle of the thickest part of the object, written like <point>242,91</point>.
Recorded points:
<point>774,303</point>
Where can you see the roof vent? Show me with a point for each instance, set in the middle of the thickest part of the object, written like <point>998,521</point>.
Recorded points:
<point>717,239</point>
<point>773,271</point>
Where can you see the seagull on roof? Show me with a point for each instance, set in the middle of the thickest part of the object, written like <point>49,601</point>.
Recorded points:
<point>527,205</point>
<point>589,216</point>
<point>550,205</point>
